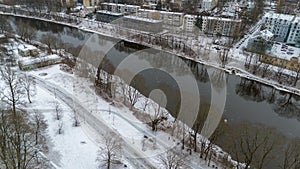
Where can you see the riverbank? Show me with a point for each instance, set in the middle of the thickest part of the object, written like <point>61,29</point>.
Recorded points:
<point>213,63</point>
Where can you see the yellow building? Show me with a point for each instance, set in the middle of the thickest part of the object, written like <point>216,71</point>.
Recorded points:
<point>289,63</point>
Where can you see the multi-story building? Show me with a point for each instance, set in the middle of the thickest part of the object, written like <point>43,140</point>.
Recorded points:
<point>143,24</point>
<point>189,22</point>
<point>279,25</point>
<point>294,34</point>
<point>221,26</point>
<point>208,5</point>
<point>107,16</point>
<point>168,18</point>
<point>213,25</point>
<point>120,8</point>
<point>88,3</point>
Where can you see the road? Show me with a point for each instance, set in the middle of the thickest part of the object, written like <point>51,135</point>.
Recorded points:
<point>159,141</point>
<point>97,124</point>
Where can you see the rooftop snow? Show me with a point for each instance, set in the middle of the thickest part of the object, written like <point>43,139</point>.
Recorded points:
<point>110,13</point>
<point>114,4</point>
<point>162,12</point>
<point>29,61</point>
<point>25,47</point>
<point>280,16</point>
<point>142,19</point>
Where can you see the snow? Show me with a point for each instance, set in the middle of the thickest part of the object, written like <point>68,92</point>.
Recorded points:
<point>73,149</point>
<point>26,47</point>
<point>282,53</point>
<point>289,18</point>
<point>143,19</point>
<point>119,118</point>
<point>109,13</point>
<point>30,61</point>
<point>2,36</point>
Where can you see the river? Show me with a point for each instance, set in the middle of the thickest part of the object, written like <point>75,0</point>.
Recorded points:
<point>246,100</point>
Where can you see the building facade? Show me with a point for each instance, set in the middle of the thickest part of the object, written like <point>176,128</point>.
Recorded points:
<point>189,22</point>
<point>142,24</point>
<point>294,34</point>
<point>88,3</point>
<point>213,25</point>
<point>120,8</point>
<point>107,16</point>
<point>168,18</point>
<point>208,5</point>
<point>221,26</point>
<point>279,25</point>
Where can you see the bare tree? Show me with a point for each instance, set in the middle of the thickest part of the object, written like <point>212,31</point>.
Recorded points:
<point>157,117</point>
<point>110,151</point>
<point>26,32</point>
<point>18,148</point>
<point>171,161</point>
<point>58,110</point>
<point>4,24</point>
<point>39,126</point>
<point>49,40</point>
<point>75,117</point>
<point>60,127</point>
<point>13,91</point>
<point>133,96</point>
<point>291,158</point>
<point>253,144</point>
<point>28,85</point>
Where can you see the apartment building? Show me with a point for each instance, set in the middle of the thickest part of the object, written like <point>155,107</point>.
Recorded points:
<point>221,26</point>
<point>279,25</point>
<point>107,16</point>
<point>207,5</point>
<point>168,18</point>
<point>294,34</point>
<point>213,25</point>
<point>189,23</point>
<point>142,24</point>
<point>120,8</point>
<point>88,3</point>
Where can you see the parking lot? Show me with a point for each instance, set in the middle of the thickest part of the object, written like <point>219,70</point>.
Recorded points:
<point>284,51</point>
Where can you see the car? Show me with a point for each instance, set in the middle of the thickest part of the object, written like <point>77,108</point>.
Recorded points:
<point>290,53</point>
<point>277,43</point>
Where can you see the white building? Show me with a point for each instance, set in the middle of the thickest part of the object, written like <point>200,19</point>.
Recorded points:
<point>120,8</point>
<point>189,22</point>
<point>208,5</point>
<point>27,50</point>
<point>294,35</point>
<point>279,25</point>
<point>169,18</point>
<point>212,25</point>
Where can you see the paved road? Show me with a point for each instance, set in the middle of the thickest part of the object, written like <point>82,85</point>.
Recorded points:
<point>160,142</point>
<point>97,124</point>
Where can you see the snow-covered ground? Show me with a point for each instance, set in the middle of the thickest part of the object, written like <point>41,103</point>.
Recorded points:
<point>119,118</point>
<point>73,149</point>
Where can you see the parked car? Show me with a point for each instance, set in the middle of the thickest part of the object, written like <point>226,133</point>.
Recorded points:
<point>277,43</point>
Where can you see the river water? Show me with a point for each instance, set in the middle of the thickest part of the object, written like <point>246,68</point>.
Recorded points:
<point>246,100</point>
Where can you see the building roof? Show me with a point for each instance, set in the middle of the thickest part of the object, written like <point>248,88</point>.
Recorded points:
<point>109,13</point>
<point>30,61</point>
<point>163,12</point>
<point>25,47</point>
<point>296,20</point>
<point>114,4</point>
<point>142,19</point>
<point>280,16</point>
